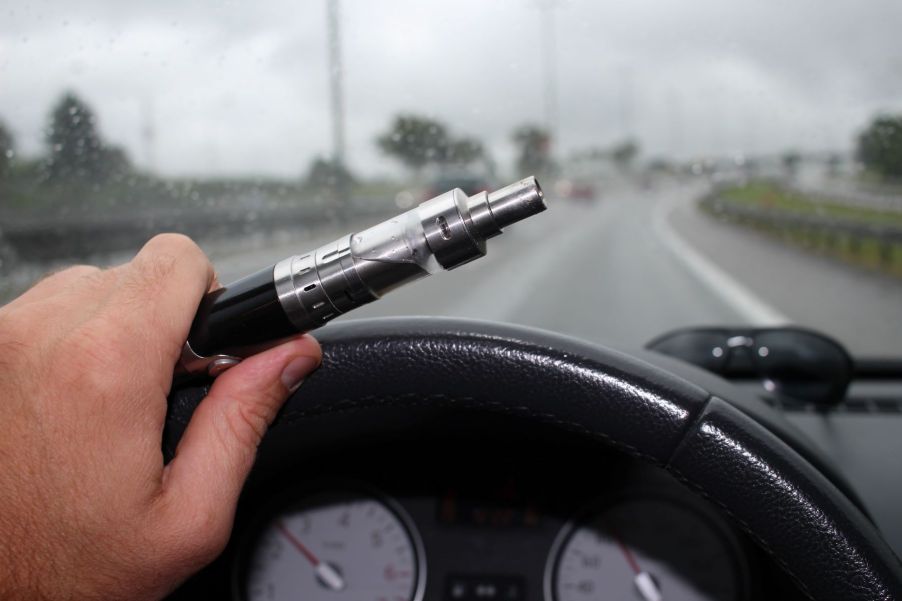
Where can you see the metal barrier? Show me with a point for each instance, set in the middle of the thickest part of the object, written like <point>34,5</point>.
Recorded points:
<point>816,230</point>
<point>81,237</point>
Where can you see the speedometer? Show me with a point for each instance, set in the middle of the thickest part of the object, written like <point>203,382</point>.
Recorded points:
<point>645,549</point>
<point>333,548</point>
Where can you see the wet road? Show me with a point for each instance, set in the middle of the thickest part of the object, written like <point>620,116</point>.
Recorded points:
<point>635,264</point>
<point>622,270</point>
<point>597,271</point>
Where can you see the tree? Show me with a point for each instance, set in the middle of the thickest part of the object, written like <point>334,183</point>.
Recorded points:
<point>75,148</point>
<point>331,182</point>
<point>534,154</point>
<point>419,141</point>
<point>7,147</point>
<point>880,146</point>
<point>661,165</point>
<point>834,163</point>
<point>624,153</point>
<point>791,160</point>
<point>327,176</point>
<point>416,141</point>
<point>463,151</point>
<point>114,163</point>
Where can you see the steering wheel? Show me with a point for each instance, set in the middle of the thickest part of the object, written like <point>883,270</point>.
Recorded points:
<point>379,374</point>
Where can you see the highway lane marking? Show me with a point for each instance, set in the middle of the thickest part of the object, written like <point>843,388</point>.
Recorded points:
<point>736,295</point>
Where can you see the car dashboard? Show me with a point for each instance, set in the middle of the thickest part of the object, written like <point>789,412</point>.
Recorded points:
<point>506,511</point>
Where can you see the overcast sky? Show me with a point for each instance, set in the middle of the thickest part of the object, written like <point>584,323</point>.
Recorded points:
<point>241,88</point>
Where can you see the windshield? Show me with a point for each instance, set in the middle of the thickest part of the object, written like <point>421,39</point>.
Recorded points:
<point>705,162</point>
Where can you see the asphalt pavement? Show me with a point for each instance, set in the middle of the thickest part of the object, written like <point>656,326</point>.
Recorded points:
<point>636,263</point>
<point>860,308</point>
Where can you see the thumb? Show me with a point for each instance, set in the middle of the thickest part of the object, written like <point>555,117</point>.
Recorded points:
<point>218,447</point>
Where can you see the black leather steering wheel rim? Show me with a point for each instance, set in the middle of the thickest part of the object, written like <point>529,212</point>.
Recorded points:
<point>379,369</point>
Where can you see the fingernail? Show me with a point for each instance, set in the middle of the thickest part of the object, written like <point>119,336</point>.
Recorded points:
<point>294,373</point>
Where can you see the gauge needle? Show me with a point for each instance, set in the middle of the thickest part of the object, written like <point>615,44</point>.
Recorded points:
<point>327,574</point>
<point>645,584</point>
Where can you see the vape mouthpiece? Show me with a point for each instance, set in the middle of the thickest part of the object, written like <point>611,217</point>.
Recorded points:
<point>516,201</point>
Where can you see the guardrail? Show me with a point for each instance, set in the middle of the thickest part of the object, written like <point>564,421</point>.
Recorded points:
<point>828,233</point>
<point>37,239</point>
<point>888,200</point>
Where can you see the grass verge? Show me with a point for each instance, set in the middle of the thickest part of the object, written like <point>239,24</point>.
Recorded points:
<point>774,209</point>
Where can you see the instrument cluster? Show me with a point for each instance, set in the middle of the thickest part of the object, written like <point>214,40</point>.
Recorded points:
<point>513,539</point>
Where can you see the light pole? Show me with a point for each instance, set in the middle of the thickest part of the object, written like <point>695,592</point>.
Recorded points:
<point>549,64</point>
<point>148,133</point>
<point>336,94</point>
<point>340,188</point>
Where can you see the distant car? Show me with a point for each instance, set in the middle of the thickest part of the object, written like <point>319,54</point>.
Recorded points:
<point>568,189</point>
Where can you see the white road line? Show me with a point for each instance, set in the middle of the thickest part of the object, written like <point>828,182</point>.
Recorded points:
<point>741,299</point>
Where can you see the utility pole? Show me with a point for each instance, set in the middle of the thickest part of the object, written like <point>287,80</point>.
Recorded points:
<point>148,133</point>
<point>335,84</point>
<point>627,103</point>
<point>549,63</point>
<point>675,121</point>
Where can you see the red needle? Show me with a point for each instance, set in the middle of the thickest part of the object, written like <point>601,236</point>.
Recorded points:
<point>646,585</point>
<point>313,559</point>
<point>630,558</point>
<point>328,575</point>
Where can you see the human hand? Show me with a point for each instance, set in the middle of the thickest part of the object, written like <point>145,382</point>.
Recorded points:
<point>87,508</point>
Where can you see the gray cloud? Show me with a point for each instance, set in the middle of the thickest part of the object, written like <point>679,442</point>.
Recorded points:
<point>241,88</point>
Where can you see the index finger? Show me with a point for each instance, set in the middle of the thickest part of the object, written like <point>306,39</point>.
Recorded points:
<point>160,291</point>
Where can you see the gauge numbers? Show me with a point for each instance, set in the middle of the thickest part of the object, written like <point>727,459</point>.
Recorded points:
<point>644,549</point>
<point>336,548</point>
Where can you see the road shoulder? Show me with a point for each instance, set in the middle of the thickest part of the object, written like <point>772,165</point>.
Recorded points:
<point>861,308</point>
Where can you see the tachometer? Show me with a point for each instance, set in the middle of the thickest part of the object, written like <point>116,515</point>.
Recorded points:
<point>644,549</point>
<point>335,547</point>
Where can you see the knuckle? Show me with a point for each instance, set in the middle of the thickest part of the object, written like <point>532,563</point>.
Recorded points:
<point>81,271</point>
<point>159,267</point>
<point>165,253</point>
<point>178,245</point>
<point>171,239</point>
<point>74,272</point>
<point>247,423</point>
